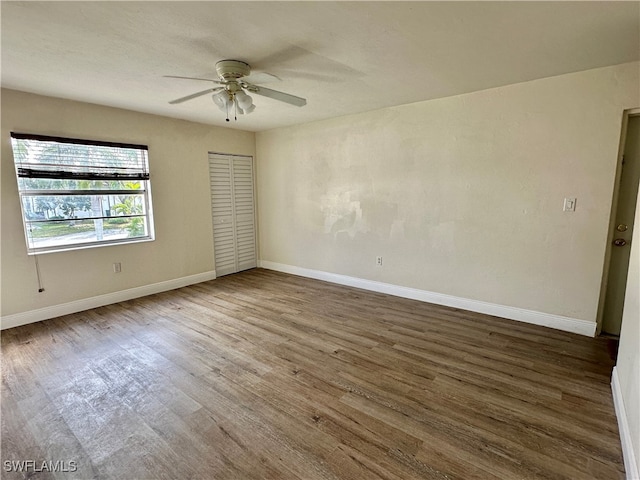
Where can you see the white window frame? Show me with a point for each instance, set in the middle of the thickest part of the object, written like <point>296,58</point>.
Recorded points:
<point>119,170</point>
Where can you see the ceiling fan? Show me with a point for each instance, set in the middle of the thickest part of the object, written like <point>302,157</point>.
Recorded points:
<point>231,95</point>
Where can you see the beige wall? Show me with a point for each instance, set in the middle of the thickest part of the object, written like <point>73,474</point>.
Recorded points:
<point>461,196</point>
<point>181,202</point>
<point>628,363</point>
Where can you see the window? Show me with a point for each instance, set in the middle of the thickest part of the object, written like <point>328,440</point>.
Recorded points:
<point>81,193</point>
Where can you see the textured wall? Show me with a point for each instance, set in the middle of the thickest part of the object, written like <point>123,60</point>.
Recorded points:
<point>461,195</point>
<point>181,202</point>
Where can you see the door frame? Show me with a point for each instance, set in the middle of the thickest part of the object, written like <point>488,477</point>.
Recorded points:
<point>632,112</point>
<point>255,203</point>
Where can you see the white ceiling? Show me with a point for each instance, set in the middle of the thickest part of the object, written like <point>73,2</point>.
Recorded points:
<point>344,57</point>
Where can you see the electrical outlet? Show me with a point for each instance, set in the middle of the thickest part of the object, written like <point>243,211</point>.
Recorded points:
<point>117,267</point>
<point>379,261</point>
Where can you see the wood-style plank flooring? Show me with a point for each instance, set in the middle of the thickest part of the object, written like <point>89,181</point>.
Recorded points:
<point>263,375</point>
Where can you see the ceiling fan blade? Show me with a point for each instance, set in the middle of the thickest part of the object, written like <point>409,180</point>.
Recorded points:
<point>195,95</point>
<point>261,77</point>
<point>276,95</point>
<point>194,78</point>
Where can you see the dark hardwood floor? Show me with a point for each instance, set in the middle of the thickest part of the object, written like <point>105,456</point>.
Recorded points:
<point>263,375</point>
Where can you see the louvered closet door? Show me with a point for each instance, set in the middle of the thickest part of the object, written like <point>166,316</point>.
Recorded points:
<point>244,212</point>
<point>233,213</point>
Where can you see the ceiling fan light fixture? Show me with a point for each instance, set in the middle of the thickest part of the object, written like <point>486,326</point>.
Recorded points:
<point>229,95</point>
<point>245,102</point>
<point>221,99</point>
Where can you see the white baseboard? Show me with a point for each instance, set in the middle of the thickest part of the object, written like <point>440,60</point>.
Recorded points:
<point>568,324</point>
<point>630,464</point>
<point>582,327</point>
<point>31,316</point>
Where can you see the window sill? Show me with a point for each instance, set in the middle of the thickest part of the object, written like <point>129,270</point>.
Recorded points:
<point>85,246</point>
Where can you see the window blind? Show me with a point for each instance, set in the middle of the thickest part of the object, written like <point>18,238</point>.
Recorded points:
<point>39,156</point>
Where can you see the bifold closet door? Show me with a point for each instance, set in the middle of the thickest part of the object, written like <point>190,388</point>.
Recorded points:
<point>232,204</point>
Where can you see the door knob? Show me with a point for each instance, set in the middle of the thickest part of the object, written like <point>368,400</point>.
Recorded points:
<point>619,242</point>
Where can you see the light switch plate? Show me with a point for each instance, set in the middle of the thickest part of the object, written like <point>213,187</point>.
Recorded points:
<point>569,205</point>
